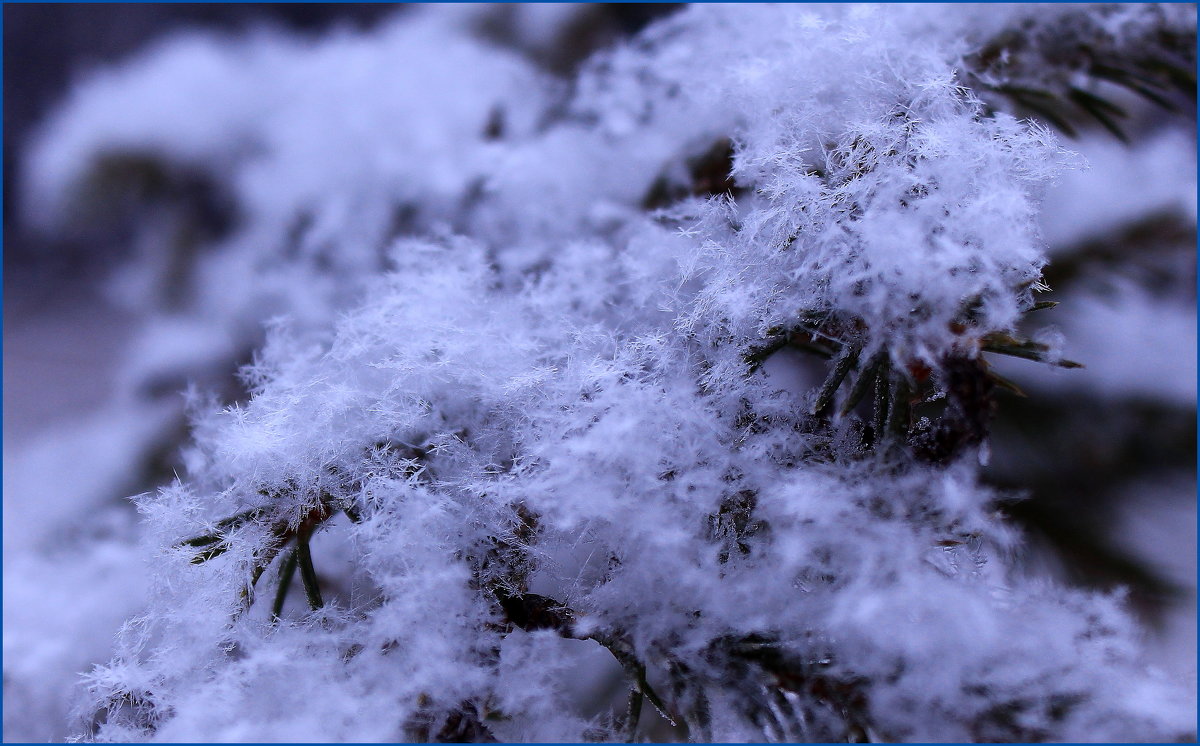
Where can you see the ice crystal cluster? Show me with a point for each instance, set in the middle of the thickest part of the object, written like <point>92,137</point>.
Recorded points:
<point>672,378</point>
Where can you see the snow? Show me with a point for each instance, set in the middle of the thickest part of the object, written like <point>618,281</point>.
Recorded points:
<point>525,383</point>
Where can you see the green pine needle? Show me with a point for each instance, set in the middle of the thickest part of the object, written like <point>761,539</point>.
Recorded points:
<point>1102,110</point>
<point>308,574</point>
<point>634,715</point>
<point>869,371</point>
<point>883,395</point>
<point>286,572</point>
<point>842,365</point>
<point>1006,384</point>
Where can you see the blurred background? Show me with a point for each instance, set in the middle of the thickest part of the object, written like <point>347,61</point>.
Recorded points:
<point>61,335</point>
<point>1105,456</point>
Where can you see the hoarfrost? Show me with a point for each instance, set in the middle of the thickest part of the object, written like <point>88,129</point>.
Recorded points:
<point>519,334</point>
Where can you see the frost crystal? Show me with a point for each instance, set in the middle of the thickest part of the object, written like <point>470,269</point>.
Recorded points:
<point>546,393</point>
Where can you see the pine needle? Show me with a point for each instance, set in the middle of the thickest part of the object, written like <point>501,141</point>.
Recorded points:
<point>841,367</point>
<point>308,574</point>
<point>1102,110</point>
<point>865,378</point>
<point>286,572</point>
